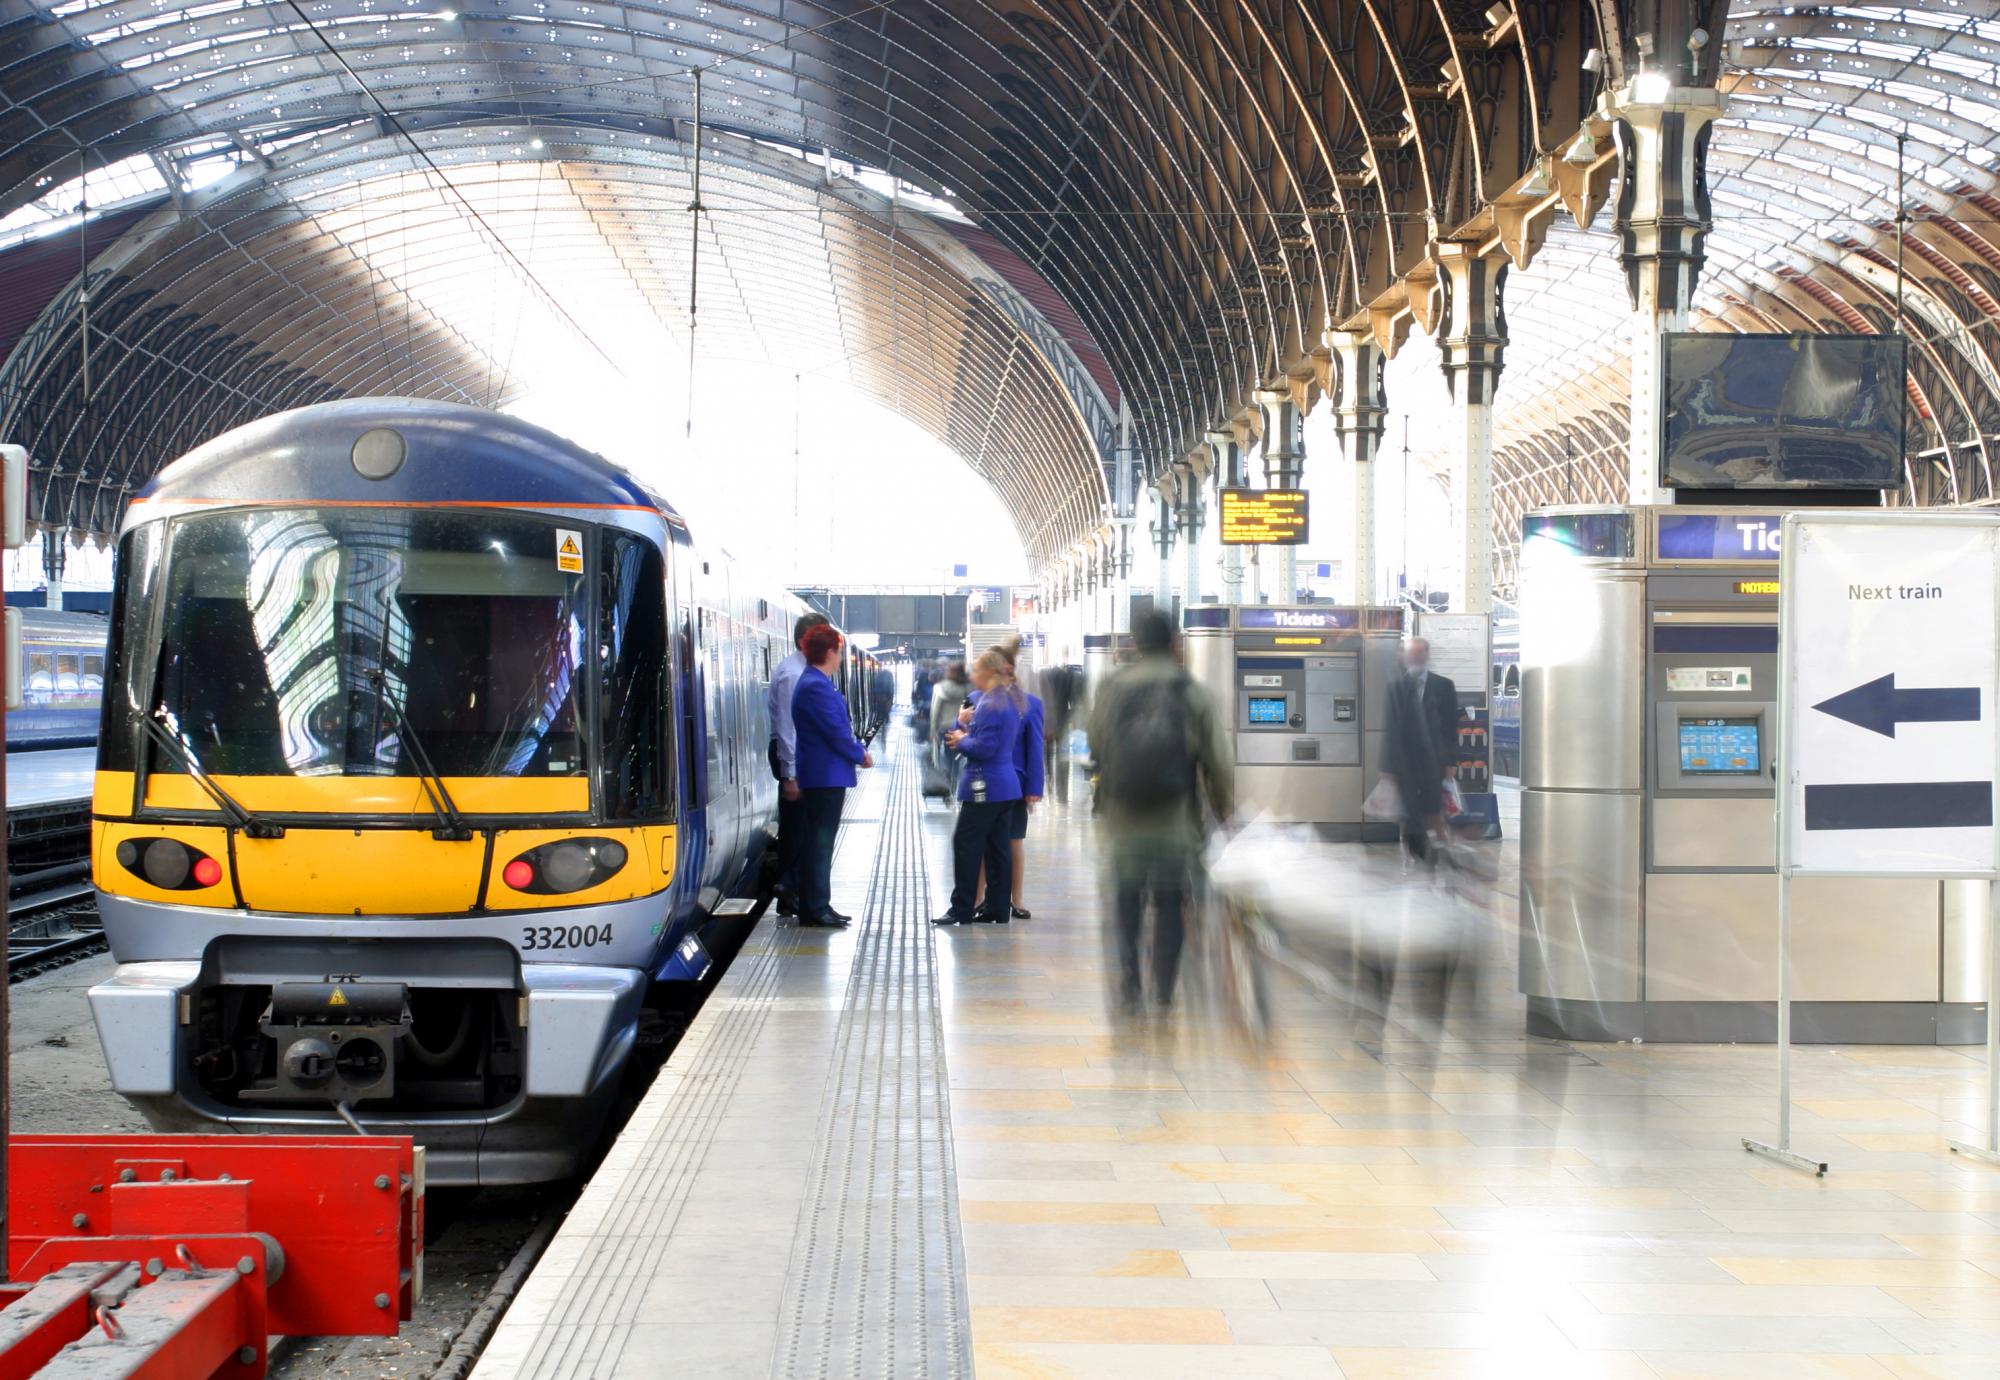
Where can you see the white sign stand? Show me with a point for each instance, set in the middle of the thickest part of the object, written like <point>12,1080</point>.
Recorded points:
<point>1873,766</point>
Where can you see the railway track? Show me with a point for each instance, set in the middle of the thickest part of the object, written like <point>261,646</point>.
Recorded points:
<point>51,920</point>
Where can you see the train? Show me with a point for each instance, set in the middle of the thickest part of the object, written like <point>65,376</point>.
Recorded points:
<point>62,682</point>
<point>433,745</point>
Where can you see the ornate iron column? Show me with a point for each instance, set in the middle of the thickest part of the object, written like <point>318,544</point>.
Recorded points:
<point>1189,516</point>
<point>1226,466</point>
<point>1359,411</point>
<point>1661,132</point>
<point>1284,466</point>
<point>1472,339</point>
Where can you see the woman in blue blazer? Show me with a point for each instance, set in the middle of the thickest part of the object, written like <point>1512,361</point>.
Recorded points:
<point>828,753</point>
<point>987,793</point>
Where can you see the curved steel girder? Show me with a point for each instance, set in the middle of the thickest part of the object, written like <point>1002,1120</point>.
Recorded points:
<point>868,86</point>
<point>221,260</point>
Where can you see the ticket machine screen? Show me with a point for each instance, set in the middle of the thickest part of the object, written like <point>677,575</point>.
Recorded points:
<point>1721,747</point>
<point>1268,709</point>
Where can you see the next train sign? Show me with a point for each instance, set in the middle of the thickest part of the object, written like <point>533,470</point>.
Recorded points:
<point>1888,740</point>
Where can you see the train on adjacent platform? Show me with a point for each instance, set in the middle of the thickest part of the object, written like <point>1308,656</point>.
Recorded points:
<point>431,745</point>
<point>62,681</point>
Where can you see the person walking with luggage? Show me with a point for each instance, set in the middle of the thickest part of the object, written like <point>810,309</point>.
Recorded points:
<point>827,754</point>
<point>1418,750</point>
<point>1161,758</point>
<point>784,761</point>
<point>947,698</point>
<point>987,792</point>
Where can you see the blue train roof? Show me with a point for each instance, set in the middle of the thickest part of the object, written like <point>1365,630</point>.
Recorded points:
<point>450,454</point>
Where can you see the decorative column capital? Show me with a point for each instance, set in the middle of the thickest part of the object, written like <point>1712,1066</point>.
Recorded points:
<point>1284,451</point>
<point>1471,320</point>
<point>1661,133</point>
<point>1360,404</point>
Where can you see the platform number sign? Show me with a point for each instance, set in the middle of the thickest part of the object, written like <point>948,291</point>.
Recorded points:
<point>1890,743</point>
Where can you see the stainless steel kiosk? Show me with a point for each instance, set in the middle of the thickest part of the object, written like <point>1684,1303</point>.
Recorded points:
<point>1649,640</point>
<point>1303,689</point>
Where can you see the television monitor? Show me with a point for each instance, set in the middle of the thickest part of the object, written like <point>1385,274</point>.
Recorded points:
<point>1782,411</point>
<point>1721,747</point>
<point>1267,709</point>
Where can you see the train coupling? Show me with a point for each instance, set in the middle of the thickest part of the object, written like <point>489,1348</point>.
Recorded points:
<point>336,1041</point>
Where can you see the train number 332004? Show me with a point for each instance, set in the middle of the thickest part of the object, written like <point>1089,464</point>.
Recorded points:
<point>564,936</point>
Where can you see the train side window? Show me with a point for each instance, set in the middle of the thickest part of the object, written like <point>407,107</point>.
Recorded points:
<point>1512,684</point>
<point>633,696</point>
<point>93,672</point>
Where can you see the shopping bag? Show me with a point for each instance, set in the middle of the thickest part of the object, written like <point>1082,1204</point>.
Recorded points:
<point>936,779</point>
<point>1385,802</point>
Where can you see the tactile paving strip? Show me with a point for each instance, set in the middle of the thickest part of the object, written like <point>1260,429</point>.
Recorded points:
<point>587,1329</point>
<point>877,1281</point>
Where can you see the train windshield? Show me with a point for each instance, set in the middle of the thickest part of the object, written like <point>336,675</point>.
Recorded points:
<point>284,630</point>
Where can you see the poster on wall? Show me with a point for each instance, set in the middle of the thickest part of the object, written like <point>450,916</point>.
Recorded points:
<point>1462,650</point>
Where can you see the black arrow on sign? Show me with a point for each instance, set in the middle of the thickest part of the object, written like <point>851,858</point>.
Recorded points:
<point>1879,706</point>
<point>1900,805</point>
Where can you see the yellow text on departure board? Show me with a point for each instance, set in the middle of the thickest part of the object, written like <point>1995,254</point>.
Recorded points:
<point>1263,517</point>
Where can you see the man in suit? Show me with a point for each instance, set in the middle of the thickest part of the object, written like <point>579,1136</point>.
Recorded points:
<point>1420,748</point>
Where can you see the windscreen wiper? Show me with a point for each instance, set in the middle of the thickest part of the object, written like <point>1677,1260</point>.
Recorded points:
<point>255,826</point>
<point>452,827</point>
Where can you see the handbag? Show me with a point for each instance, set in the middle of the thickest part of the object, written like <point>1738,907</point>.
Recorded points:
<point>1385,802</point>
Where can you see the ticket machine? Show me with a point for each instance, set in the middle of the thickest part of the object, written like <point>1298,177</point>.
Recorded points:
<point>1649,666</point>
<point>1304,689</point>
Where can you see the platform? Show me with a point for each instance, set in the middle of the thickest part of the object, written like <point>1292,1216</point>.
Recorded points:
<point>49,776</point>
<point>899,1152</point>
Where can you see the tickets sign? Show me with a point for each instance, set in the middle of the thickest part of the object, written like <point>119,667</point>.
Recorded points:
<point>1263,517</point>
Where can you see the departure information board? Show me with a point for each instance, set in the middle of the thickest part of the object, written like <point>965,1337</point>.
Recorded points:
<point>1263,517</point>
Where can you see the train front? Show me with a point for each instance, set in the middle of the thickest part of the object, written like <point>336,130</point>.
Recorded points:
<point>384,805</point>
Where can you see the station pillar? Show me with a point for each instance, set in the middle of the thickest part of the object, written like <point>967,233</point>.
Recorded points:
<point>1284,466</point>
<point>55,559</point>
<point>1163,543</point>
<point>1661,134</point>
<point>1472,343</point>
<point>1225,451</point>
<point>1359,411</point>
<point>1189,518</point>
<point>1121,576</point>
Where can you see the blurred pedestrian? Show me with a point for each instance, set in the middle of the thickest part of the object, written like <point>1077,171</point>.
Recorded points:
<point>827,754</point>
<point>1059,697</point>
<point>1419,749</point>
<point>987,791</point>
<point>1161,756</point>
<point>784,764</point>
<point>947,698</point>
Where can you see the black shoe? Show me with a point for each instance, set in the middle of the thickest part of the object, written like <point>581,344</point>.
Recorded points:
<point>834,917</point>
<point>949,919</point>
<point>828,921</point>
<point>995,918</point>
<point>786,907</point>
<point>1022,913</point>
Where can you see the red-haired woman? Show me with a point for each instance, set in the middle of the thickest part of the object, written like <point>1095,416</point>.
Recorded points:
<point>828,753</point>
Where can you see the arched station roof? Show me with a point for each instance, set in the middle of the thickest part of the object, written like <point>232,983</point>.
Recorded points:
<point>1804,176</point>
<point>1206,186</point>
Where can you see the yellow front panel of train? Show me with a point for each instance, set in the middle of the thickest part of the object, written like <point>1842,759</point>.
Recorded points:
<point>359,872</point>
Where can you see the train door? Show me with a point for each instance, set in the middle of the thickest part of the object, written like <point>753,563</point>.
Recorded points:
<point>689,675</point>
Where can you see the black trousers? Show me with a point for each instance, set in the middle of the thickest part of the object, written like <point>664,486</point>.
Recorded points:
<point>791,843</point>
<point>1138,875</point>
<point>983,834</point>
<point>821,809</point>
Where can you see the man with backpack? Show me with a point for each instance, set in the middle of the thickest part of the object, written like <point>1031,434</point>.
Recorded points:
<point>1161,756</point>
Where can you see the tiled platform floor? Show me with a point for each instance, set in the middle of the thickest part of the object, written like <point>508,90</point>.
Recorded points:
<point>1166,1199</point>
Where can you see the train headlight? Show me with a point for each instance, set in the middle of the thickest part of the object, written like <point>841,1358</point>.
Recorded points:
<point>169,864</point>
<point>564,866</point>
